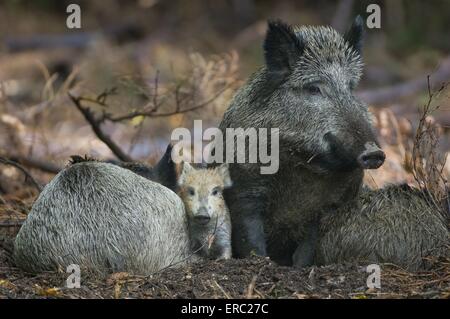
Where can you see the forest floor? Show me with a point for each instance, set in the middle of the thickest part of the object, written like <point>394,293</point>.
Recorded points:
<point>255,277</point>
<point>39,121</point>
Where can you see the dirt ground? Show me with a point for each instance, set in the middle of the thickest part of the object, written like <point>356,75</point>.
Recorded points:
<point>255,277</point>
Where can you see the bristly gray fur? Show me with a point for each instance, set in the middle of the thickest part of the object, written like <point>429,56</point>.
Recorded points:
<point>325,45</point>
<point>395,224</point>
<point>104,218</point>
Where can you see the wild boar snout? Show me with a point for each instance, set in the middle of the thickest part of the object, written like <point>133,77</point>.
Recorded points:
<point>372,157</point>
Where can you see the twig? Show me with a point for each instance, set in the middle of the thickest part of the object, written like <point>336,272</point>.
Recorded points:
<point>426,163</point>
<point>153,111</point>
<point>183,102</point>
<point>11,224</point>
<point>36,163</point>
<point>251,287</point>
<point>21,168</point>
<point>221,289</point>
<point>95,125</point>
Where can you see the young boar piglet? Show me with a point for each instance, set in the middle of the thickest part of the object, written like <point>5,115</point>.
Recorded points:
<point>201,190</point>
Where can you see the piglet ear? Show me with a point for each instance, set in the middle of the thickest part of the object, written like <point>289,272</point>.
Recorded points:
<point>184,170</point>
<point>282,47</point>
<point>225,173</point>
<point>354,35</point>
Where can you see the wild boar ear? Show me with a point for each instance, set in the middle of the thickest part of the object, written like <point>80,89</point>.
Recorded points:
<point>185,169</point>
<point>165,172</point>
<point>354,35</point>
<point>225,173</point>
<point>282,47</point>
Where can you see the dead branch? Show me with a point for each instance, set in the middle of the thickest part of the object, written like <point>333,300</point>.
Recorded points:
<point>23,170</point>
<point>153,110</point>
<point>11,224</point>
<point>42,165</point>
<point>208,79</point>
<point>388,94</point>
<point>427,161</point>
<point>251,287</point>
<point>96,123</point>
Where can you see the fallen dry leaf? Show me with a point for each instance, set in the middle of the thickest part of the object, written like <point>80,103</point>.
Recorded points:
<point>6,284</point>
<point>47,292</point>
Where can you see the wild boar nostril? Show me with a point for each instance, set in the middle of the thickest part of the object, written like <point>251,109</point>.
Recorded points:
<point>371,159</point>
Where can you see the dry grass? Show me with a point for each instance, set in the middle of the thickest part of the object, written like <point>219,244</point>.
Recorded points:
<point>428,162</point>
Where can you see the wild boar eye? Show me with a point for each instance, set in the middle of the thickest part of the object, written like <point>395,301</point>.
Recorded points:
<point>191,191</point>
<point>312,89</point>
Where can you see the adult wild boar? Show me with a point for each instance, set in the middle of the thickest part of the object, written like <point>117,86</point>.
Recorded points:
<point>104,218</point>
<point>326,139</point>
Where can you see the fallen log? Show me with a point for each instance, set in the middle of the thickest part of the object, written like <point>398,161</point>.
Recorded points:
<point>389,94</point>
<point>73,40</point>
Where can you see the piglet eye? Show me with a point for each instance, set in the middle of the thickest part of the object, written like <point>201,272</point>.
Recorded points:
<point>191,191</point>
<point>312,89</point>
<point>215,192</point>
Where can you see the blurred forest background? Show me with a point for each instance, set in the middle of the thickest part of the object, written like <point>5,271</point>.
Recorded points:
<point>139,68</point>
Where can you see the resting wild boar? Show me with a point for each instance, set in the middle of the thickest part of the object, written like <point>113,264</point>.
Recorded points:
<point>396,224</point>
<point>103,218</point>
